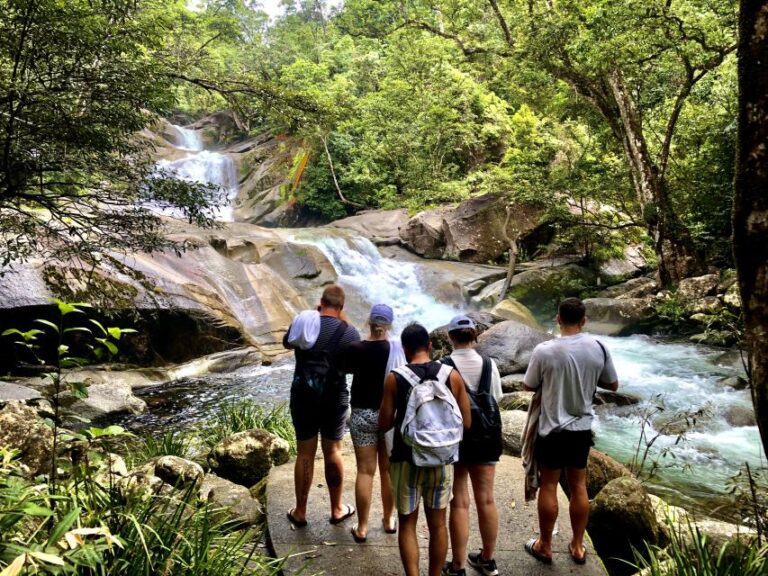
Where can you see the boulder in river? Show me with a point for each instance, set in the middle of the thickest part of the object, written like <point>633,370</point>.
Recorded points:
<point>634,288</point>
<point>632,263</point>
<point>424,233</point>
<point>739,416</point>
<point>105,399</point>
<point>23,430</point>
<point>614,317</point>
<point>510,344</point>
<point>621,520</point>
<point>601,469</point>
<point>541,289</point>
<point>382,227</point>
<point>511,309</point>
<point>441,344</point>
<point>246,457</point>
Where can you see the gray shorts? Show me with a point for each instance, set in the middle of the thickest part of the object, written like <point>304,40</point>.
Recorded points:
<point>364,427</point>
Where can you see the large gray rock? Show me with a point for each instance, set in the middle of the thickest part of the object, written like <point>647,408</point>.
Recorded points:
<point>512,428</point>
<point>542,289</point>
<point>233,499</point>
<point>302,265</point>
<point>424,233</point>
<point>622,520</point>
<point>382,227</point>
<point>632,263</point>
<point>23,430</point>
<point>246,457</point>
<point>105,399</point>
<point>511,309</point>
<point>10,392</point>
<point>635,288</point>
<point>602,469</point>
<point>698,287</point>
<point>613,317</point>
<point>510,344</point>
<point>738,416</point>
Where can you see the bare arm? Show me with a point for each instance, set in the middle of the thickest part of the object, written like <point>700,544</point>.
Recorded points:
<point>460,393</point>
<point>613,386</point>
<point>387,408</point>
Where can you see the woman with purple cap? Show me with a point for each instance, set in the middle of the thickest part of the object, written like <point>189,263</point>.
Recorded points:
<point>479,451</point>
<point>369,361</point>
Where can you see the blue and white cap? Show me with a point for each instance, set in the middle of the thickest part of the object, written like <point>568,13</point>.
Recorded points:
<point>382,314</point>
<point>461,322</point>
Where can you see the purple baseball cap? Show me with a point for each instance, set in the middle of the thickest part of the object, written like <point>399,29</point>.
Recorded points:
<point>382,314</point>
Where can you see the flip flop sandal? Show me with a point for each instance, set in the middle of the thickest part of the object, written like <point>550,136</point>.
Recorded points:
<point>389,530</point>
<point>350,511</point>
<point>356,538</point>
<point>292,520</point>
<point>529,547</point>
<point>576,559</point>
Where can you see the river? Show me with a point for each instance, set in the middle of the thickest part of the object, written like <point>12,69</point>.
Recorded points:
<point>682,376</point>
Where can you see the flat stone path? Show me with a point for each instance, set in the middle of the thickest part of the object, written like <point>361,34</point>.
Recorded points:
<point>321,548</point>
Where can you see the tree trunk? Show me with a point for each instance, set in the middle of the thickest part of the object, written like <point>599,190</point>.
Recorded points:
<point>750,206</point>
<point>678,258</point>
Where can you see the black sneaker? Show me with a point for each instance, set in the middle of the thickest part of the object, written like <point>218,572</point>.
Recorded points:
<point>487,567</point>
<point>449,571</point>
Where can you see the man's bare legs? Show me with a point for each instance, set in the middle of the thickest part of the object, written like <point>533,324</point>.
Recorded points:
<point>482,476</point>
<point>303,471</point>
<point>459,520</point>
<point>387,501</point>
<point>438,539</point>
<point>408,543</point>
<point>334,474</point>
<point>548,510</point>
<point>579,508</point>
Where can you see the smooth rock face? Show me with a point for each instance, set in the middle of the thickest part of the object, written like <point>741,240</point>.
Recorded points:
<point>512,427</point>
<point>601,469</point>
<point>246,457</point>
<point>424,233</point>
<point>698,287</point>
<point>511,309</point>
<point>735,382</point>
<point>631,264</point>
<point>510,344</point>
<point>302,265</point>
<point>106,399</point>
<point>635,288</point>
<point>23,430</point>
<point>613,317</point>
<point>234,499</point>
<point>441,344</point>
<point>739,416</point>
<point>10,392</point>
<point>622,517</point>
<point>382,227</point>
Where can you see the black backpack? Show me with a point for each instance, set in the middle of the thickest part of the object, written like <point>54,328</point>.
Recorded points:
<point>482,442</point>
<point>315,369</point>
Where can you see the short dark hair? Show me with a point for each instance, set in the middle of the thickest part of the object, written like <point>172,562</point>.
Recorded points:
<point>333,297</point>
<point>414,338</point>
<point>463,336</point>
<point>571,311</point>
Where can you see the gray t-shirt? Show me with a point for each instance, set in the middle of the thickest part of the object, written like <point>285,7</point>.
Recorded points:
<point>568,370</point>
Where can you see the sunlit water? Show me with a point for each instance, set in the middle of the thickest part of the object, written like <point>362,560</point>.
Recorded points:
<point>204,166</point>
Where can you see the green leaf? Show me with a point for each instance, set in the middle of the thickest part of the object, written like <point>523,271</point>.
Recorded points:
<point>114,332</point>
<point>108,345</point>
<point>61,528</point>
<point>108,431</point>
<point>77,329</point>
<point>99,326</point>
<point>32,509</point>
<point>47,323</point>
<point>78,389</point>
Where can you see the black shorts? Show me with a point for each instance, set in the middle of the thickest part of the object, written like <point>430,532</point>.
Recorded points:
<point>310,415</point>
<point>564,449</point>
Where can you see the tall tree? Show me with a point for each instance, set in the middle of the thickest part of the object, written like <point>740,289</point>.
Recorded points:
<point>750,216</point>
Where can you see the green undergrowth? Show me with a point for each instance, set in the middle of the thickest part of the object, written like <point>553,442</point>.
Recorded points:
<point>245,415</point>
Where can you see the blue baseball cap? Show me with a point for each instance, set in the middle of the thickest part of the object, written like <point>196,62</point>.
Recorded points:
<point>382,314</point>
<point>461,322</point>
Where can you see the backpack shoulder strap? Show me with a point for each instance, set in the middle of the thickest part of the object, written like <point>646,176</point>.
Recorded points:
<point>444,374</point>
<point>409,375</point>
<point>485,376</point>
<point>448,361</point>
<point>605,354</point>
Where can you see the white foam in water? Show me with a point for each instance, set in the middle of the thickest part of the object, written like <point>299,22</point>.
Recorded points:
<point>363,271</point>
<point>205,167</point>
<point>687,380</point>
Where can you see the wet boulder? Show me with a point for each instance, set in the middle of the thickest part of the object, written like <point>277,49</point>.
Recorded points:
<point>615,398</point>
<point>739,416</point>
<point>511,309</point>
<point>23,430</point>
<point>615,317</point>
<point>541,289</point>
<point>246,457</point>
<point>233,499</point>
<point>510,344</point>
<point>621,520</point>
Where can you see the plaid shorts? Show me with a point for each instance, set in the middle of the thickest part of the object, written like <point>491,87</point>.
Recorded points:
<point>410,483</point>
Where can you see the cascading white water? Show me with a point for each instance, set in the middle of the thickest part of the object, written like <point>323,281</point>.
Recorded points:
<point>207,167</point>
<point>370,279</point>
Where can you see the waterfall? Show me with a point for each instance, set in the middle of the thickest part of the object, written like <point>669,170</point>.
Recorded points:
<point>369,279</point>
<point>207,167</point>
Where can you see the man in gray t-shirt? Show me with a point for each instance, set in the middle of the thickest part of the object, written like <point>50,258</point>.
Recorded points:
<point>568,371</point>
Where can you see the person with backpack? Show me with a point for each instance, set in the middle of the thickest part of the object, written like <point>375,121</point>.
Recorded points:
<point>370,361</point>
<point>320,404</point>
<point>427,404</point>
<point>479,452</point>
